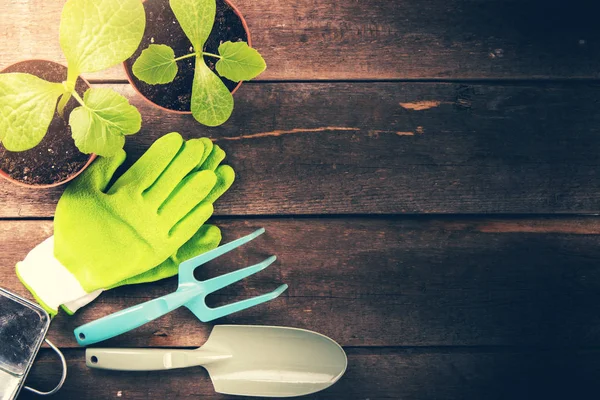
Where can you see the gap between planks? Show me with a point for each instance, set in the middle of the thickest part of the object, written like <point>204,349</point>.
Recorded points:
<point>579,224</point>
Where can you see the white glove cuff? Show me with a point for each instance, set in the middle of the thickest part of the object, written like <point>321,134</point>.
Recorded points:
<point>72,306</point>
<point>51,283</point>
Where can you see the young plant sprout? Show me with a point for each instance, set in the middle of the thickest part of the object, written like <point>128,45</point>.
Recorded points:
<point>94,35</point>
<point>211,102</point>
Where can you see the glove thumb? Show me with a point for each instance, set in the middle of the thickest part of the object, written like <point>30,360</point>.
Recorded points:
<point>99,174</point>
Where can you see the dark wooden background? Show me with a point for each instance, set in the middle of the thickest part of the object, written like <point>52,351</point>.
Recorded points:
<point>427,172</point>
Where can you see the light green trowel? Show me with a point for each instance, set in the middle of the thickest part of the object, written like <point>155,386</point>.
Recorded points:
<point>244,360</point>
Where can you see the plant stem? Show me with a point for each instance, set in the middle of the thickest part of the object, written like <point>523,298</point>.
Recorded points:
<point>69,86</point>
<point>195,54</point>
<point>64,99</point>
<point>211,54</point>
<point>79,99</point>
<point>186,56</point>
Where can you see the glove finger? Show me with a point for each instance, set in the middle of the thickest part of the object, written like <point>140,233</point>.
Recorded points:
<point>186,160</point>
<point>151,164</point>
<point>207,238</point>
<point>190,223</point>
<point>99,174</point>
<point>225,178</point>
<point>214,159</point>
<point>190,192</point>
<point>166,269</point>
<point>208,146</point>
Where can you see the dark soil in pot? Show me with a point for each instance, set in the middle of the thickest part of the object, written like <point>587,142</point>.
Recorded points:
<point>55,159</point>
<point>162,28</point>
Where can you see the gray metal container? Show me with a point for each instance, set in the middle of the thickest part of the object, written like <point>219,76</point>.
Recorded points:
<point>23,328</point>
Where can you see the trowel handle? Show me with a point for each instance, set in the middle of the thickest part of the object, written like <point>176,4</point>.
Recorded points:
<point>130,318</point>
<point>148,359</point>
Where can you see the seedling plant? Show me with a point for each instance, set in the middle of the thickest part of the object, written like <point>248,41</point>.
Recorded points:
<point>94,35</point>
<point>211,101</point>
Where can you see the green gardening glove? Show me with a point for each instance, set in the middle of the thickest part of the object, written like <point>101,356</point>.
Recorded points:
<point>207,238</point>
<point>107,234</point>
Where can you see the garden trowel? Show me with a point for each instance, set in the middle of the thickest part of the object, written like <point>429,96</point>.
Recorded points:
<point>243,360</point>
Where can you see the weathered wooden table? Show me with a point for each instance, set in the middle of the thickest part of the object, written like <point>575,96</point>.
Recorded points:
<point>421,167</point>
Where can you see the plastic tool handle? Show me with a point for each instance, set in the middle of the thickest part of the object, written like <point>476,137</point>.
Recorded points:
<point>149,359</point>
<point>130,318</point>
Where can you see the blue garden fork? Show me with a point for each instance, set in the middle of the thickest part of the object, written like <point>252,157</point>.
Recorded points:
<point>190,293</point>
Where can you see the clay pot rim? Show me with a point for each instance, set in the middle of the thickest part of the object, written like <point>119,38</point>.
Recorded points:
<point>131,82</point>
<point>92,157</point>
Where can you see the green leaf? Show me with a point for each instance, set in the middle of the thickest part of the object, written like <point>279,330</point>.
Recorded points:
<point>27,106</point>
<point>239,62</point>
<point>196,18</point>
<point>156,65</point>
<point>97,34</point>
<point>212,103</point>
<point>98,126</point>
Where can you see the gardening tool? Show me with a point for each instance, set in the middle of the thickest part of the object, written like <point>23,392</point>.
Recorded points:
<point>244,360</point>
<point>23,327</point>
<point>190,293</point>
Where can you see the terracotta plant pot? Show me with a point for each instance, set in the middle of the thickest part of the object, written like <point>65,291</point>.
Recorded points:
<point>55,160</point>
<point>162,28</point>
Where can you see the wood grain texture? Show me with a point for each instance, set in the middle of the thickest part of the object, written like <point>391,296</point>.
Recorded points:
<point>409,373</point>
<point>381,282</point>
<point>375,39</point>
<point>427,307</point>
<point>387,148</point>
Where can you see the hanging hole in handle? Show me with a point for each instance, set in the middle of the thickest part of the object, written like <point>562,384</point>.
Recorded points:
<point>81,336</point>
<point>64,372</point>
<point>94,360</point>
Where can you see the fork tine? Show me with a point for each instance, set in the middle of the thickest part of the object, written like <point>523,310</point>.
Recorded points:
<point>214,313</point>
<point>219,282</point>
<point>194,262</point>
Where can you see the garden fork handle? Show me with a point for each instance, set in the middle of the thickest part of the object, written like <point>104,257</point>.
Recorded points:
<point>130,318</point>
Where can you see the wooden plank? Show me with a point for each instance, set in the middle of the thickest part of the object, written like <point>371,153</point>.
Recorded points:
<point>410,373</point>
<point>382,282</point>
<point>307,148</point>
<point>375,39</point>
